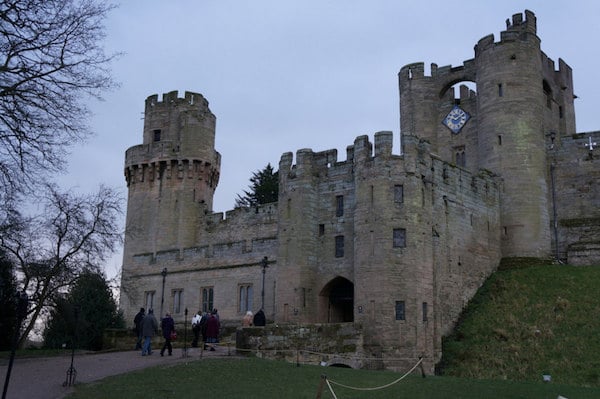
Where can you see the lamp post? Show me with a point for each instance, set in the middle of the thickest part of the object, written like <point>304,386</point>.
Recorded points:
<point>184,353</point>
<point>264,264</point>
<point>71,372</point>
<point>162,295</point>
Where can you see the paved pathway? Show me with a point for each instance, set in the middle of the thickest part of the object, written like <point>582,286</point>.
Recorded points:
<point>43,378</point>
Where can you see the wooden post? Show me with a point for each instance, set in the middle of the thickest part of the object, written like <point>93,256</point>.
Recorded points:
<point>321,385</point>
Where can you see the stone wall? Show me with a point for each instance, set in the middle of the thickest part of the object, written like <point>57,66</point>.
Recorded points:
<point>576,172</point>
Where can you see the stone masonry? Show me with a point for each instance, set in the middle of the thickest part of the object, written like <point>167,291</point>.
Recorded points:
<point>389,246</point>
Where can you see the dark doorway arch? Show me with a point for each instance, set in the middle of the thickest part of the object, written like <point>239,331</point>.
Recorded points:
<point>337,300</point>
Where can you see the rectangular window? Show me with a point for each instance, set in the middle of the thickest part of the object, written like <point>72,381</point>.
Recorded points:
<point>400,311</point>
<point>156,134</point>
<point>246,298</point>
<point>339,205</point>
<point>424,311</point>
<point>339,246</point>
<point>399,238</point>
<point>149,299</point>
<point>207,299</point>
<point>500,91</point>
<point>321,229</point>
<point>177,300</point>
<point>398,193</point>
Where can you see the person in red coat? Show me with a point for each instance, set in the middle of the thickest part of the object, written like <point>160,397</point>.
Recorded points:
<point>212,330</point>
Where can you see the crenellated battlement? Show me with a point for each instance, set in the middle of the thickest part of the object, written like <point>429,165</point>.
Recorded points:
<point>516,29</point>
<point>265,213</point>
<point>158,169</point>
<point>518,24</point>
<point>310,163</point>
<point>416,71</point>
<point>563,77</point>
<point>172,100</point>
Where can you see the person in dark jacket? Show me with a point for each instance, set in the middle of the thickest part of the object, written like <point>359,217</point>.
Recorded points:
<point>149,329</point>
<point>203,326</point>
<point>196,328</point>
<point>168,326</point>
<point>137,321</point>
<point>259,319</point>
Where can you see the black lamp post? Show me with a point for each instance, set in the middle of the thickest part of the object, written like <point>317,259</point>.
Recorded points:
<point>184,354</point>
<point>162,295</point>
<point>71,372</point>
<point>264,264</point>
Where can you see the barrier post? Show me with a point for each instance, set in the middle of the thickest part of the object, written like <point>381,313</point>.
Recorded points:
<point>321,385</point>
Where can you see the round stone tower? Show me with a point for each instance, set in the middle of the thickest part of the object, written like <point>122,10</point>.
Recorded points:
<point>511,138</point>
<point>172,176</point>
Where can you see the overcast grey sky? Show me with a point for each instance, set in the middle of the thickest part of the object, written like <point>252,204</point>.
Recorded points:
<point>284,75</point>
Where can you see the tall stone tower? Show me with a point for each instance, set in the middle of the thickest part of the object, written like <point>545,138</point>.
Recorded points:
<point>520,107</point>
<point>172,176</point>
<point>510,133</point>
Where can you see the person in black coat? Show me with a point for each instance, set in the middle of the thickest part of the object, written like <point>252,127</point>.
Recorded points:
<point>137,321</point>
<point>168,326</point>
<point>259,319</point>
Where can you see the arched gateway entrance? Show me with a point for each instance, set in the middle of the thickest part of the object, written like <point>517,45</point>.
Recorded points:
<point>336,301</point>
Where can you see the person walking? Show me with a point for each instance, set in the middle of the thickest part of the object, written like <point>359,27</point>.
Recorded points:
<point>196,328</point>
<point>137,321</point>
<point>168,326</point>
<point>149,329</point>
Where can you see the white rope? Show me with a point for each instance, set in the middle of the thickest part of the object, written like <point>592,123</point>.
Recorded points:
<point>330,389</point>
<point>380,387</point>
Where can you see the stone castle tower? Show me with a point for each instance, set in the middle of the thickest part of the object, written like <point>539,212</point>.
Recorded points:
<point>389,246</point>
<point>173,175</point>
<point>519,103</point>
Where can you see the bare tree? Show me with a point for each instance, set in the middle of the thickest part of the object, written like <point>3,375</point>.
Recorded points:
<point>73,234</point>
<point>51,61</point>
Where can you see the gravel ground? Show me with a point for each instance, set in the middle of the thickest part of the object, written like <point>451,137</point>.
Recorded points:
<point>43,378</point>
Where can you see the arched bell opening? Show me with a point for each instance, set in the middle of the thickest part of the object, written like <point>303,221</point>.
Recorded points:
<point>336,301</point>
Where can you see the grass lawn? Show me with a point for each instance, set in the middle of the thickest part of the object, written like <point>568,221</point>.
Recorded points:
<point>257,378</point>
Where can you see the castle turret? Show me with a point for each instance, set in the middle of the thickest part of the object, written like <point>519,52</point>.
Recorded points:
<point>521,106</point>
<point>172,176</point>
<point>511,139</point>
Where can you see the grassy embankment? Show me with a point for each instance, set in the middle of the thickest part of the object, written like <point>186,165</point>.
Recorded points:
<point>527,322</point>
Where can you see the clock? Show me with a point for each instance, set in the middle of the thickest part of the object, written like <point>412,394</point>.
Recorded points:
<point>456,119</point>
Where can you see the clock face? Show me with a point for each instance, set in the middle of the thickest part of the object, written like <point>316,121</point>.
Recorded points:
<point>456,119</point>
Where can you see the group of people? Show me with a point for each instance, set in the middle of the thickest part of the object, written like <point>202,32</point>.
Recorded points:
<point>146,326</point>
<point>207,326</point>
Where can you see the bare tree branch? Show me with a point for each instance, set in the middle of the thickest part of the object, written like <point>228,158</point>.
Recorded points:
<point>51,60</point>
<point>72,235</point>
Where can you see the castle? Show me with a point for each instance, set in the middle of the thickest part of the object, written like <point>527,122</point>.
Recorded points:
<point>392,245</point>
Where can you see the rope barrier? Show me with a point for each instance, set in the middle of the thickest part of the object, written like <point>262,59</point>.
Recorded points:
<point>375,388</point>
<point>330,388</point>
